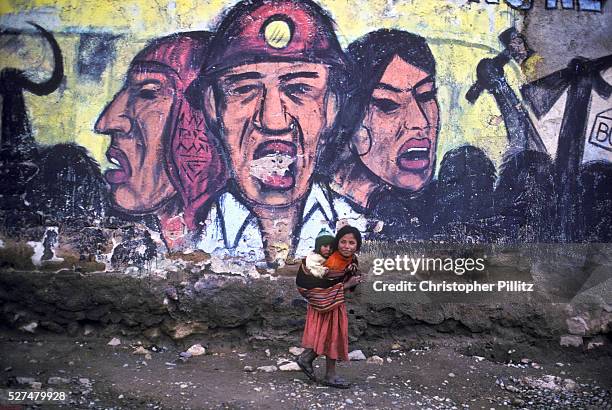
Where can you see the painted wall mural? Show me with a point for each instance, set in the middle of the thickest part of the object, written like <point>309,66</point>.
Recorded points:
<point>240,129</point>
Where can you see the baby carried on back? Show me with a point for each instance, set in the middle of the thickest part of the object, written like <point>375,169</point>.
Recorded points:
<point>321,276</point>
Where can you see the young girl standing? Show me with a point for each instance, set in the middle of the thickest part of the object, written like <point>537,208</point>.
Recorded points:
<point>326,328</point>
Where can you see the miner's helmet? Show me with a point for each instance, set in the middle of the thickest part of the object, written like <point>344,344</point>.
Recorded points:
<point>274,30</point>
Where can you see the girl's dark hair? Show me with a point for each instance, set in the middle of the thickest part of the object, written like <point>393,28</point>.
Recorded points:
<point>345,230</point>
<point>368,57</point>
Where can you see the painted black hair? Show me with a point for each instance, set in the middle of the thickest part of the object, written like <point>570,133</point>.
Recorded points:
<point>369,56</point>
<point>345,230</point>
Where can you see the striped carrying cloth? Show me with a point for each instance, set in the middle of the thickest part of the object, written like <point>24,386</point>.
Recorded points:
<point>321,293</point>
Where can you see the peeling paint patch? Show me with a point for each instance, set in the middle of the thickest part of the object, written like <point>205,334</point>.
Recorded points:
<point>235,266</point>
<point>271,166</point>
<point>38,249</point>
<point>44,251</point>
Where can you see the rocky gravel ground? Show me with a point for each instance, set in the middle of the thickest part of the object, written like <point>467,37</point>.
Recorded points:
<point>129,374</point>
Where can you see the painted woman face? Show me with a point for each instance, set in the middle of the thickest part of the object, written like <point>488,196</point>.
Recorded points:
<point>398,136</point>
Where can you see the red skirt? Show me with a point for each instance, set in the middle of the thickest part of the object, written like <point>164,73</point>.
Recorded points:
<point>327,332</point>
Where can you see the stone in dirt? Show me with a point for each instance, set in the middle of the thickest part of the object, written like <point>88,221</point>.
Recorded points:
<point>196,350</point>
<point>571,341</point>
<point>114,342</point>
<point>375,360</point>
<point>356,355</point>
<point>550,382</point>
<point>248,369</point>
<point>141,350</point>
<point>577,326</point>
<point>290,367</point>
<point>84,380</point>
<point>25,380</point>
<point>569,384</point>
<point>296,351</point>
<point>267,369</point>
<point>182,330</point>
<point>57,380</point>
<point>282,360</point>
<point>596,342</point>
<point>30,327</point>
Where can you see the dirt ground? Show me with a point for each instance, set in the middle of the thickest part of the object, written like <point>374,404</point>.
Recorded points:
<point>438,377</point>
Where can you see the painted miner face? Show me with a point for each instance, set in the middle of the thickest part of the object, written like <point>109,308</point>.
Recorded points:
<point>399,132</point>
<point>137,121</point>
<point>272,116</point>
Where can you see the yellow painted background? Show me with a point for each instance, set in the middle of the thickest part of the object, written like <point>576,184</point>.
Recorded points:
<point>460,34</point>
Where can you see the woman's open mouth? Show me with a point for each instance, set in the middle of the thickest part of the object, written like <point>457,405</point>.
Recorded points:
<point>414,155</point>
<point>273,164</point>
<point>124,172</point>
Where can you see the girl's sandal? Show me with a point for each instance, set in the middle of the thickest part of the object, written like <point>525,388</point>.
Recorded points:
<point>338,383</point>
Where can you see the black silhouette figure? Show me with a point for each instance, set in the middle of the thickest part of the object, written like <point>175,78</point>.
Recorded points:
<point>18,150</point>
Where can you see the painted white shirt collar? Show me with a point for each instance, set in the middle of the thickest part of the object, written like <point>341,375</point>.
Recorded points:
<point>233,230</point>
